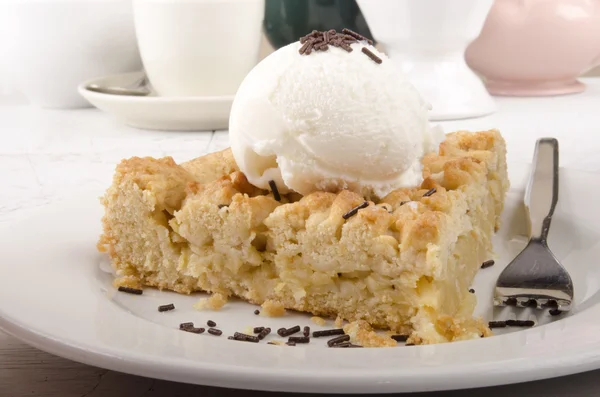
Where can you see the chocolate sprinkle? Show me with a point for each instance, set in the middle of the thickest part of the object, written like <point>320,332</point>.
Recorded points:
<point>275,191</point>
<point>320,41</point>
<point>194,330</point>
<point>128,290</point>
<point>288,331</point>
<point>497,324</point>
<point>399,338</point>
<point>245,338</point>
<point>339,339</point>
<point>257,312</point>
<point>487,264</point>
<point>409,344</point>
<point>520,323</point>
<point>370,54</point>
<point>328,332</point>
<point>306,331</point>
<point>472,290</point>
<point>258,330</point>
<point>307,44</point>
<point>214,331</point>
<point>211,323</point>
<point>166,308</point>
<point>345,46</point>
<point>309,48</point>
<point>264,333</point>
<point>357,36</point>
<point>343,344</point>
<point>299,339</point>
<point>430,192</point>
<point>186,325</point>
<point>354,210</point>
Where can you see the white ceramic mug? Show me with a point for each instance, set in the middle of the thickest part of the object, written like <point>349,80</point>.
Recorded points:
<point>54,45</point>
<point>198,47</point>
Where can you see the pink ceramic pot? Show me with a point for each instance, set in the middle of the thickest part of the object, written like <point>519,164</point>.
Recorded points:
<point>537,47</point>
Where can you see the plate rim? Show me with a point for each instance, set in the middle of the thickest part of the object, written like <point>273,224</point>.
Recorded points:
<point>304,381</point>
<point>551,364</point>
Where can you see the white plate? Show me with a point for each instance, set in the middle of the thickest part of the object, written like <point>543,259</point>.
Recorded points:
<point>55,296</point>
<point>159,113</point>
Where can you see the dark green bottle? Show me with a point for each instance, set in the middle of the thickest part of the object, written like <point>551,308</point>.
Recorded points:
<point>288,20</point>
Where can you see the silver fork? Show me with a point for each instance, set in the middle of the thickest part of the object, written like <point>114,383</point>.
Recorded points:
<point>535,278</point>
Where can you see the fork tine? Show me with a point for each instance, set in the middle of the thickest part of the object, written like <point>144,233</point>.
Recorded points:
<point>535,278</point>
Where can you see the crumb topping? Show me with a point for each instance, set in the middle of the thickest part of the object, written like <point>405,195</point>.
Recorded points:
<point>362,333</point>
<point>273,309</point>
<point>215,302</point>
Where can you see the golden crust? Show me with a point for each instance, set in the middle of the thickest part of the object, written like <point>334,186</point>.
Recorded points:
<point>361,333</point>
<point>403,263</point>
<point>215,302</point>
<point>213,166</point>
<point>273,309</point>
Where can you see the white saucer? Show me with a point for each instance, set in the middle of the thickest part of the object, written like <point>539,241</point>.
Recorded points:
<point>159,113</point>
<point>56,295</point>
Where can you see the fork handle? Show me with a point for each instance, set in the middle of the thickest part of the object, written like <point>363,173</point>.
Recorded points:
<point>541,194</point>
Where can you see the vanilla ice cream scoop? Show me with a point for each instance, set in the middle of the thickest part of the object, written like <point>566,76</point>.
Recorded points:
<point>330,120</point>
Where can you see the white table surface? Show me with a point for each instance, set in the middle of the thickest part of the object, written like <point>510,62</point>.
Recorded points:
<point>49,155</point>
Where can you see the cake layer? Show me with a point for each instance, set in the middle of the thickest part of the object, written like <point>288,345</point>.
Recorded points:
<point>404,262</point>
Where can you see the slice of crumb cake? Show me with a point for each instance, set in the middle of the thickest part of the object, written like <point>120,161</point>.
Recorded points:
<point>403,263</point>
